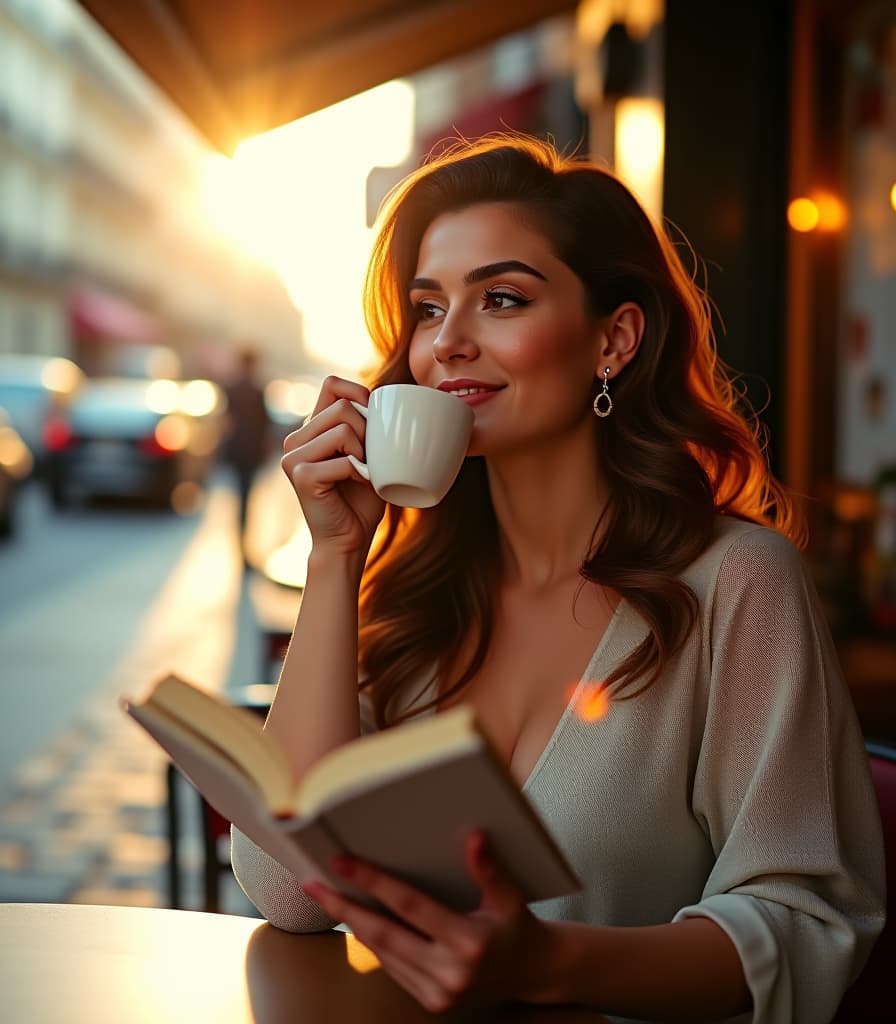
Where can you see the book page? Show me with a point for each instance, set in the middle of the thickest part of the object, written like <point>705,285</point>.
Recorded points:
<point>364,763</point>
<point>235,731</point>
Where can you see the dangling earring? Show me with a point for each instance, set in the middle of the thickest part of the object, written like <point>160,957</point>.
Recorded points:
<point>603,404</point>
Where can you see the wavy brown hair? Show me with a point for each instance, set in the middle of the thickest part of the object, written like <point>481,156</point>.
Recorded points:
<point>679,448</point>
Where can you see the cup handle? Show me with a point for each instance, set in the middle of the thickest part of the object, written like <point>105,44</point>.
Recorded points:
<point>360,466</point>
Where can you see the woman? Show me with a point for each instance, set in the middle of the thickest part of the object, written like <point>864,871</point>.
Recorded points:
<point>611,585</point>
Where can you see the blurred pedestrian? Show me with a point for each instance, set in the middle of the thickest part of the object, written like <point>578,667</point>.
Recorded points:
<point>247,439</point>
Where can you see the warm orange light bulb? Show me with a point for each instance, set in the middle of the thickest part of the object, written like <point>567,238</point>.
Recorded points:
<point>893,196</point>
<point>803,214</point>
<point>831,212</point>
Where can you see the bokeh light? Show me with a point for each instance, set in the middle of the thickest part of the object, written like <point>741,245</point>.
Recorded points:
<point>163,396</point>
<point>831,212</point>
<point>822,210</point>
<point>638,146</point>
<point>802,214</point>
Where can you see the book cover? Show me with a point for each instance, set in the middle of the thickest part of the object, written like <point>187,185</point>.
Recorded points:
<point>405,798</point>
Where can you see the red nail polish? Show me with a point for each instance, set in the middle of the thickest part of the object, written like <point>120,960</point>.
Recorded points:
<point>343,865</point>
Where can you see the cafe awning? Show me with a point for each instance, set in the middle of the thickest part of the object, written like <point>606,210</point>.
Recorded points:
<point>240,67</point>
<point>96,314</point>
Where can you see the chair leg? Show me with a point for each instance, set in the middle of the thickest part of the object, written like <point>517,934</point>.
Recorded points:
<point>211,868</point>
<point>173,822</point>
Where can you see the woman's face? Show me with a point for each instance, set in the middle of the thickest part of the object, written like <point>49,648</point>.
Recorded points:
<point>502,322</point>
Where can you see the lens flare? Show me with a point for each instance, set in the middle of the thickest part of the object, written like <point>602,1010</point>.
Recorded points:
<point>592,702</point>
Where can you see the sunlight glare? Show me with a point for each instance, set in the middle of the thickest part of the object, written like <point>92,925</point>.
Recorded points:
<point>295,198</point>
<point>288,564</point>
<point>360,958</point>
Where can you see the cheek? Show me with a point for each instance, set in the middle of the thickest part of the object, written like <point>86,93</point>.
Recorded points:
<point>549,347</point>
<point>419,358</point>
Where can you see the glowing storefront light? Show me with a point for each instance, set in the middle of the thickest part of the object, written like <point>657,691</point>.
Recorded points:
<point>639,145</point>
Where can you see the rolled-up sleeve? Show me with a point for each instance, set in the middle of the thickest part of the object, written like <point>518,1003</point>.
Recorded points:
<point>783,789</point>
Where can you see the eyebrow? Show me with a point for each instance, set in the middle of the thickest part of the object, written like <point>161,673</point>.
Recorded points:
<point>481,274</point>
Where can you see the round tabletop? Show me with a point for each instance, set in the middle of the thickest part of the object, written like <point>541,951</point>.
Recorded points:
<point>69,964</point>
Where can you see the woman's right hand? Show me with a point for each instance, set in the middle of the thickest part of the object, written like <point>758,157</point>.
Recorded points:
<point>341,509</point>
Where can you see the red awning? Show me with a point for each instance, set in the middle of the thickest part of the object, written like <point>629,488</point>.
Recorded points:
<point>96,314</point>
<point>509,111</point>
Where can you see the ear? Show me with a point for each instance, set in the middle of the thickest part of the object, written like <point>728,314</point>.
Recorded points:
<point>620,338</point>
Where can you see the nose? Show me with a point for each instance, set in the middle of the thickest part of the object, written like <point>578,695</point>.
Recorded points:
<point>454,342</point>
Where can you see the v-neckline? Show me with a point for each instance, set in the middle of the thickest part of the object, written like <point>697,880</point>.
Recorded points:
<point>587,677</point>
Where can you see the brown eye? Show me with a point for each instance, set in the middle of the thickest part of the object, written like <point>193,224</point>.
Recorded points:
<point>427,311</point>
<point>498,299</point>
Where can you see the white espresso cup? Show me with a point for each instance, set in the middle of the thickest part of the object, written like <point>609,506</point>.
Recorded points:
<point>416,441</point>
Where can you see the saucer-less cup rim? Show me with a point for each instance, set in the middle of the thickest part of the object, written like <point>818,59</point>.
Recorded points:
<point>424,500</point>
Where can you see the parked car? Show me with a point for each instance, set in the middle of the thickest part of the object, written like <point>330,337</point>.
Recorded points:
<point>134,438</point>
<point>33,389</point>
<point>16,463</point>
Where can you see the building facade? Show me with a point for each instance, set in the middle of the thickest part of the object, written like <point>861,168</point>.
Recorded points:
<point>104,244</point>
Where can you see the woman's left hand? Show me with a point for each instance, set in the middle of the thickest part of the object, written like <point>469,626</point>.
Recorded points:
<point>498,952</point>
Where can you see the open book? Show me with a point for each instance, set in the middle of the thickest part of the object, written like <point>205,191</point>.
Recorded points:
<point>405,798</point>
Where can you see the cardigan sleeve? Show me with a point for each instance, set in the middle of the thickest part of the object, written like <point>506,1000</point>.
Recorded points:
<point>783,790</point>
<point>273,890</point>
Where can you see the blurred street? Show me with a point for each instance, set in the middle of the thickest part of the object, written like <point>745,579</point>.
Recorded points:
<point>94,604</point>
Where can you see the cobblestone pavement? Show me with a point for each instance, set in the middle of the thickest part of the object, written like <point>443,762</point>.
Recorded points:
<point>85,820</point>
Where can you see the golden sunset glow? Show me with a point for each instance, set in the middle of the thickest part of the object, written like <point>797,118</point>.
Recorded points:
<point>296,199</point>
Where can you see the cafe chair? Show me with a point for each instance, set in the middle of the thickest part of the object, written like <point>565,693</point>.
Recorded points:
<point>213,828</point>
<point>872,997</point>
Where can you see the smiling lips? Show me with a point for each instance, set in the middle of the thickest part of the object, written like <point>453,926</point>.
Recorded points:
<point>472,392</point>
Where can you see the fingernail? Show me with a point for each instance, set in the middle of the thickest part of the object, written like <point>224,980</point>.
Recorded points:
<point>343,865</point>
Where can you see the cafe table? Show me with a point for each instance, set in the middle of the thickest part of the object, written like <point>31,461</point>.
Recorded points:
<point>72,964</point>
